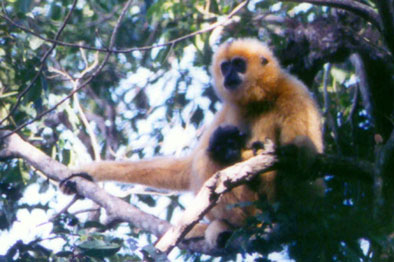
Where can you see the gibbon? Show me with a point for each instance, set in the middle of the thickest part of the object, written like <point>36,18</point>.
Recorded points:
<point>260,101</point>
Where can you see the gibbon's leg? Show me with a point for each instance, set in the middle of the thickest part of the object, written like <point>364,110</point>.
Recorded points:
<point>161,172</point>
<point>198,231</point>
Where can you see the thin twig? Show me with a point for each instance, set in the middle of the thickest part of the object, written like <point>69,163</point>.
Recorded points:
<point>128,50</point>
<point>91,77</point>
<point>355,7</point>
<point>72,202</point>
<point>109,51</point>
<point>77,104</point>
<point>42,61</point>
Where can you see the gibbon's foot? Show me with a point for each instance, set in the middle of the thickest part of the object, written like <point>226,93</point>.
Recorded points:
<point>70,187</point>
<point>222,239</point>
<point>226,144</point>
<point>218,233</point>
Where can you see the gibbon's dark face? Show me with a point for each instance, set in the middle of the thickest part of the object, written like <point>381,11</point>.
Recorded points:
<point>244,71</point>
<point>232,71</point>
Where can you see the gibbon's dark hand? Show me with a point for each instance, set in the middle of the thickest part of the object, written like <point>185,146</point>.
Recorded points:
<point>70,187</point>
<point>226,144</point>
<point>297,156</point>
<point>256,146</point>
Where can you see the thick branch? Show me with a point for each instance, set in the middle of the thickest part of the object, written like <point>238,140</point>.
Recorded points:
<point>116,208</point>
<point>355,7</point>
<point>345,167</point>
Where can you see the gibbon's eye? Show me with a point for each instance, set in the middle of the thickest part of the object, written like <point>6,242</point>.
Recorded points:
<point>225,66</point>
<point>239,64</point>
<point>264,60</point>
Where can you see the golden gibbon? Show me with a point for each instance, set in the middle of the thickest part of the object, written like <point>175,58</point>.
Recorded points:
<point>260,101</point>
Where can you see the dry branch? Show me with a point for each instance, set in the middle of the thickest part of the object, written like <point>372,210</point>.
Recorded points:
<point>16,147</point>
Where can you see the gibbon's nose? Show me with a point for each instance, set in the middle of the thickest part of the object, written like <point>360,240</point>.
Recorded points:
<point>232,81</point>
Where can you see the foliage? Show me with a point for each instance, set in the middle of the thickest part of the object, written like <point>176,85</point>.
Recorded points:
<point>155,101</point>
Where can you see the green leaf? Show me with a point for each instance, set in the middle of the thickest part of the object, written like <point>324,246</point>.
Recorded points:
<point>339,75</point>
<point>55,11</point>
<point>99,248</point>
<point>35,42</point>
<point>23,6</point>
<point>64,254</point>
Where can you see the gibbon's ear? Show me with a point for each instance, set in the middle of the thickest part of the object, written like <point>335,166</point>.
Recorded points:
<point>264,60</point>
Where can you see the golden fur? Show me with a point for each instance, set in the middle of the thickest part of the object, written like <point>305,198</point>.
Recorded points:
<point>269,103</point>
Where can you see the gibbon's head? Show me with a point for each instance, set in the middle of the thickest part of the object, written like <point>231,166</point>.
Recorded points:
<point>245,71</point>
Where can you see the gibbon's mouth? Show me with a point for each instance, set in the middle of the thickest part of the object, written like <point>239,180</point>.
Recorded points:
<point>232,84</point>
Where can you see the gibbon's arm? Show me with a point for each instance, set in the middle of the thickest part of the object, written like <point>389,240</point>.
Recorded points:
<point>302,130</point>
<point>161,172</point>
<point>300,119</point>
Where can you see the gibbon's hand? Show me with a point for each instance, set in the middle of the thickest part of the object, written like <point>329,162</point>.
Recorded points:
<point>255,149</point>
<point>69,187</point>
<point>226,144</point>
<point>297,156</point>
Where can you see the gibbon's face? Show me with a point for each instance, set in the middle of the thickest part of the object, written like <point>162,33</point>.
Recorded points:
<point>244,71</point>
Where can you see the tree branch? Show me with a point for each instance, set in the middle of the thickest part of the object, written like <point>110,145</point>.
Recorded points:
<point>355,7</point>
<point>210,27</point>
<point>361,73</point>
<point>15,147</point>
<point>42,61</point>
<point>82,85</point>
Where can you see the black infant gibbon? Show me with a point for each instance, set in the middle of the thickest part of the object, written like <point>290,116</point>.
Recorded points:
<point>260,101</point>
